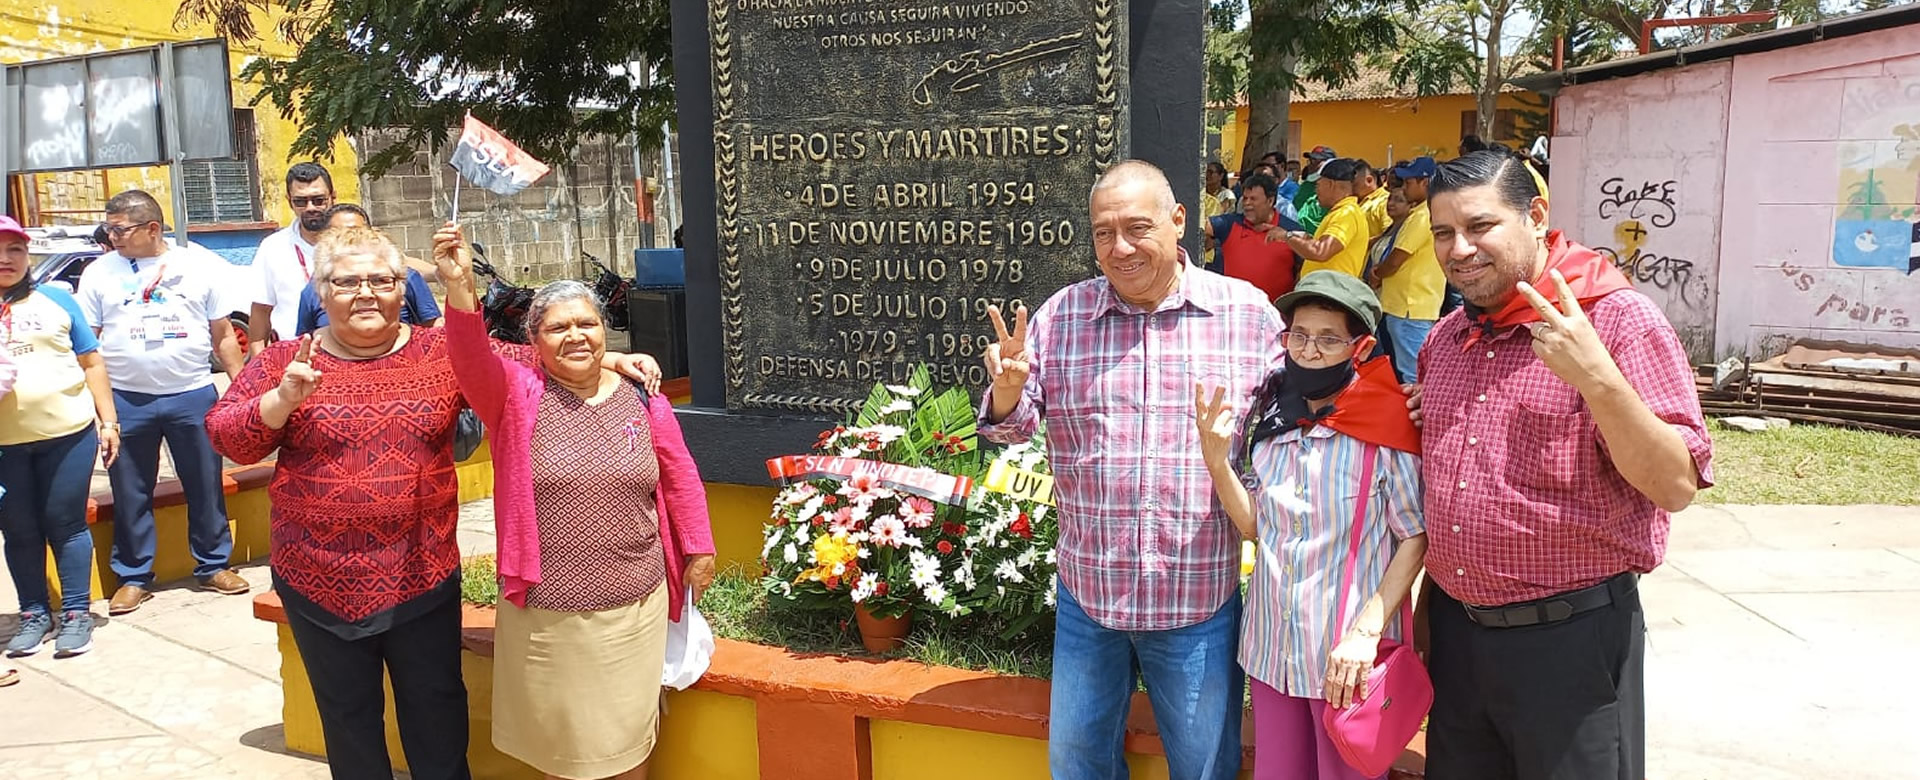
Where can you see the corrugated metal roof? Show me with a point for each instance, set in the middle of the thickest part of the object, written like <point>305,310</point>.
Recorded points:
<point>1870,21</point>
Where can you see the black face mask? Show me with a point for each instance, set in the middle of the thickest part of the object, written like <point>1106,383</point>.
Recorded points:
<point>1283,402</point>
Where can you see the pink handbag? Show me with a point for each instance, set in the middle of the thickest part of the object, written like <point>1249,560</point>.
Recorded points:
<point>1373,730</point>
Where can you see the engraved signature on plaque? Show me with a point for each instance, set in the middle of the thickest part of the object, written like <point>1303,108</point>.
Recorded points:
<point>969,69</point>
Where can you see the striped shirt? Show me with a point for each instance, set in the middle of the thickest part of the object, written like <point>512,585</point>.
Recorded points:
<point>1144,544</point>
<point>1308,485</point>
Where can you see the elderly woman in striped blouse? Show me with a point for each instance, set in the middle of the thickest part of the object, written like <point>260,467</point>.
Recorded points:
<point>1329,452</point>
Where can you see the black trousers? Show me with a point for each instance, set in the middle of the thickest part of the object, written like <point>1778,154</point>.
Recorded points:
<point>1553,701</point>
<point>422,656</point>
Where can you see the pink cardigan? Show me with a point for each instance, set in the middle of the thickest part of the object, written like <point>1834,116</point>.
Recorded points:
<point>506,395</point>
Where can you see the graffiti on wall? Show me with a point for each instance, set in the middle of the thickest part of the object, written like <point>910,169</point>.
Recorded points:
<point>1838,311</point>
<point>1644,210</point>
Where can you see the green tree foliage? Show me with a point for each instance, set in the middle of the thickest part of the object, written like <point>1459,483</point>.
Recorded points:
<point>544,72</point>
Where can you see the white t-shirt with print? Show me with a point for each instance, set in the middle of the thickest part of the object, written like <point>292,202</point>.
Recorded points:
<point>154,317</point>
<point>284,262</point>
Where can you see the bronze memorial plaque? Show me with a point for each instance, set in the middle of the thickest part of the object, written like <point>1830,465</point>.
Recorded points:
<point>887,169</point>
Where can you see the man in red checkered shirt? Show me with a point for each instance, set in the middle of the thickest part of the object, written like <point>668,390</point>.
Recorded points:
<point>1561,427</point>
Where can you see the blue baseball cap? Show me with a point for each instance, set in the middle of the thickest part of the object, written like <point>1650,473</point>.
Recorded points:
<point>1417,168</point>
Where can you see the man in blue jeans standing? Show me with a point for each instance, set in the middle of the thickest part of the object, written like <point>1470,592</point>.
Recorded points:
<point>161,315</point>
<point>1149,563</point>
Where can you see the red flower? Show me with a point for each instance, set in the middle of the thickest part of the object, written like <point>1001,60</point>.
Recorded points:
<point>830,500</point>
<point>833,583</point>
<point>818,520</point>
<point>780,520</point>
<point>953,529</point>
<point>945,547</point>
<point>939,435</point>
<point>1022,527</point>
<point>880,589</point>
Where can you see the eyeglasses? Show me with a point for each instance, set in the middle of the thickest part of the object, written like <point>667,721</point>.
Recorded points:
<point>383,283</point>
<point>312,200</point>
<point>1297,341</point>
<point>120,231</point>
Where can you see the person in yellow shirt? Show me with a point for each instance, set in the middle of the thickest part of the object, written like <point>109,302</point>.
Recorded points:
<point>1340,243</point>
<point>1373,198</point>
<point>1411,282</point>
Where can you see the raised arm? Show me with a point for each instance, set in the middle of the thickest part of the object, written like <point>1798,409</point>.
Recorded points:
<point>235,424</point>
<point>1217,424</point>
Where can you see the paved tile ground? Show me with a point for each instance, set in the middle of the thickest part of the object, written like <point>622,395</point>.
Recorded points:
<point>1777,635</point>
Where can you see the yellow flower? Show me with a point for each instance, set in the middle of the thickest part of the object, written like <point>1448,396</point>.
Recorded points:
<point>830,554</point>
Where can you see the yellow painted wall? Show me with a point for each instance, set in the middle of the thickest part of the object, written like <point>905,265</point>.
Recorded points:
<point>1366,128</point>
<point>36,31</point>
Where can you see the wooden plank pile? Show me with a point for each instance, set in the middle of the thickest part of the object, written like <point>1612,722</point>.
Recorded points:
<point>1833,384</point>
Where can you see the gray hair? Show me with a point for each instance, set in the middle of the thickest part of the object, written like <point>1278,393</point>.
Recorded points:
<point>555,293</point>
<point>352,241</point>
<point>1141,172</point>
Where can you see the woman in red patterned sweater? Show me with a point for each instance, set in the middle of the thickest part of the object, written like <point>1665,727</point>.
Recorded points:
<point>365,503</point>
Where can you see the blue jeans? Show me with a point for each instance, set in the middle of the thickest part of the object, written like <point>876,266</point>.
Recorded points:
<point>1193,679</point>
<point>47,483</point>
<point>180,420</point>
<point>1406,338</point>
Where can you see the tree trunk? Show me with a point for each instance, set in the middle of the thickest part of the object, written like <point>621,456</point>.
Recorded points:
<point>1488,108</point>
<point>1269,76</point>
<point>1267,116</point>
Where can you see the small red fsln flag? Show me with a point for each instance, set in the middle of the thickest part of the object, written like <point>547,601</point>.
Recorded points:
<point>488,160</point>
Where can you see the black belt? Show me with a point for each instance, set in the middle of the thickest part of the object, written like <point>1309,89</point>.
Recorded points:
<point>1555,608</point>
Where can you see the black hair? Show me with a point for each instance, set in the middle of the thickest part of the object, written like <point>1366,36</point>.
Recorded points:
<point>1341,169</point>
<point>1291,165</point>
<point>1214,165</point>
<point>1276,154</point>
<point>349,208</point>
<point>1262,182</point>
<point>136,205</point>
<point>307,173</point>
<point>1471,143</point>
<point>1508,176</point>
<point>101,237</point>
<point>1501,148</point>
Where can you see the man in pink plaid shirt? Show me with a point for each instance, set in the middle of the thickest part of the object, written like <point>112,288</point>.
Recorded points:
<point>1149,562</point>
<point>1560,429</point>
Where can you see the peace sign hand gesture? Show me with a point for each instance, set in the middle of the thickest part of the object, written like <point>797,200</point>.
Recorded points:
<point>1008,361</point>
<point>300,379</point>
<point>1216,422</point>
<point>1565,339</point>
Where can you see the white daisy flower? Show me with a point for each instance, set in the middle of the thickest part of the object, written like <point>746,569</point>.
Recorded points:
<point>903,391</point>
<point>1007,572</point>
<point>1053,587</point>
<point>935,592</point>
<point>791,554</point>
<point>1027,557</point>
<point>898,405</point>
<point>926,571</point>
<point>864,588</point>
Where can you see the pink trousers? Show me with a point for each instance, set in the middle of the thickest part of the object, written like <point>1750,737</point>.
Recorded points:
<point>1289,742</point>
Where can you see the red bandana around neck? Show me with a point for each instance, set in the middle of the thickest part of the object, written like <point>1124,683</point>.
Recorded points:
<point>1589,274</point>
<point>1373,409</point>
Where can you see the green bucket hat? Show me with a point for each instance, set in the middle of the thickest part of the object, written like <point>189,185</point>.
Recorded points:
<point>1338,289</point>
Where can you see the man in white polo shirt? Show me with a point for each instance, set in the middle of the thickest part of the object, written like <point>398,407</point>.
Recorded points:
<point>284,260</point>
<point>160,313</point>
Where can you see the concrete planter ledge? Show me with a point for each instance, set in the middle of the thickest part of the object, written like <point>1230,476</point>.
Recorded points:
<point>829,717</point>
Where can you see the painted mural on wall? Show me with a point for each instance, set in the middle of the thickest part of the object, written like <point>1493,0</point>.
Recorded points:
<point>1878,222</point>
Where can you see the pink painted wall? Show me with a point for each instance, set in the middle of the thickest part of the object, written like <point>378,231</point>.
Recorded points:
<point>1637,174</point>
<point>1795,191</point>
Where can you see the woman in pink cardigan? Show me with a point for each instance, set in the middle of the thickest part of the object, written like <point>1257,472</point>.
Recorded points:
<point>603,531</point>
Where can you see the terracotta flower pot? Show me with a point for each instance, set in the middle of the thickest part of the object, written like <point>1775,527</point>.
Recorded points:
<point>882,635</point>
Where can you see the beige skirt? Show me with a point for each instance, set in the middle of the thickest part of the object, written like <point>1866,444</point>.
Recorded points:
<point>577,694</point>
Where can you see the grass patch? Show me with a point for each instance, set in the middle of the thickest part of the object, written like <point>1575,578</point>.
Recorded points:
<point>1813,464</point>
<point>739,609</point>
<point>480,581</point>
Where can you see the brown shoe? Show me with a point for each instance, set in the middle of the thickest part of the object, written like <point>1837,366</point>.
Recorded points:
<point>127,599</point>
<point>227,582</point>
